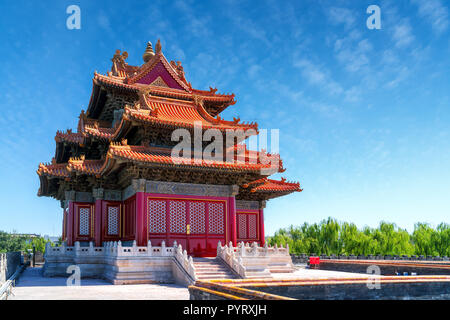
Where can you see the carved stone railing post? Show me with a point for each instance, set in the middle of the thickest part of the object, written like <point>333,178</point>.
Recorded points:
<point>219,248</point>
<point>77,248</point>
<point>255,248</point>
<point>163,248</point>
<point>149,248</point>
<point>48,249</point>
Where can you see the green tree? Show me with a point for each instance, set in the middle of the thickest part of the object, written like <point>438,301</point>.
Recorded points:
<point>333,237</point>
<point>10,242</point>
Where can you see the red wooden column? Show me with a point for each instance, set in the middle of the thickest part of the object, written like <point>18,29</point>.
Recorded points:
<point>232,219</point>
<point>98,222</point>
<point>70,233</point>
<point>63,234</point>
<point>261,222</point>
<point>141,219</point>
<point>232,215</point>
<point>98,215</point>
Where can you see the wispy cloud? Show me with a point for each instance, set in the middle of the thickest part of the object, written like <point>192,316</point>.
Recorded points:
<point>197,24</point>
<point>435,13</point>
<point>402,34</point>
<point>343,16</point>
<point>250,28</point>
<point>353,55</point>
<point>103,21</point>
<point>316,75</point>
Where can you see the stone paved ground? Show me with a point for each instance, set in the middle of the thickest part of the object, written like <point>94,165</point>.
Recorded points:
<point>32,285</point>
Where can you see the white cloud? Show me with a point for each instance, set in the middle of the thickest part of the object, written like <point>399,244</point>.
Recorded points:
<point>353,94</point>
<point>402,34</point>
<point>103,21</point>
<point>197,24</point>
<point>316,76</point>
<point>389,57</point>
<point>253,70</point>
<point>354,57</point>
<point>435,13</point>
<point>249,27</point>
<point>341,16</point>
<point>401,75</point>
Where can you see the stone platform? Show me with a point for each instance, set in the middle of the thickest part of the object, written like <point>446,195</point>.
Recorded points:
<point>32,285</point>
<point>122,265</point>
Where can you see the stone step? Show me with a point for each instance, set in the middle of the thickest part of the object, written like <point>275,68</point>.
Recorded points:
<point>215,277</point>
<point>212,272</point>
<point>212,268</point>
<point>205,259</point>
<point>255,275</point>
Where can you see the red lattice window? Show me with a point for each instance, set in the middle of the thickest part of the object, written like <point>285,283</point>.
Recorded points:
<point>252,227</point>
<point>177,213</point>
<point>242,226</point>
<point>84,215</point>
<point>157,216</point>
<point>216,218</point>
<point>197,215</point>
<point>113,221</point>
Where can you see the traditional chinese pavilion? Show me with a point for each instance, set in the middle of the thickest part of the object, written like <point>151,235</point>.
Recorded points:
<point>116,179</point>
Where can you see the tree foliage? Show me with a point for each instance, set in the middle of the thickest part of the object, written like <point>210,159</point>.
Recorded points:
<point>10,242</point>
<point>332,237</point>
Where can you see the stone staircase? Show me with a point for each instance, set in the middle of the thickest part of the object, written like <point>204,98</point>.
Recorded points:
<point>212,268</point>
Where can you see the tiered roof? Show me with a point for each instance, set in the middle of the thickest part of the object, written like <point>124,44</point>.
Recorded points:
<point>159,77</point>
<point>154,96</point>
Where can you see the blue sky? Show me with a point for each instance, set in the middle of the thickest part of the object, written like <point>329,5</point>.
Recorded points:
<point>364,115</point>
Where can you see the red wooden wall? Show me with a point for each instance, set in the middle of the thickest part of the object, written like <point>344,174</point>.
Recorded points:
<point>197,223</point>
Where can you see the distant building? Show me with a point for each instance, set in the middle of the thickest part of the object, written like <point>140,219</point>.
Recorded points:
<point>52,239</point>
<point>26,235</point>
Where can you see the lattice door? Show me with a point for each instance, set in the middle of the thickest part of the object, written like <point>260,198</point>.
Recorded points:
<point>247,226</point>
<point>197,217</point>
<point>84,215</point>
<point>113,221</point>
<point>242,226</point>
<point>177,213</point>
<point>252,227</point>
<point>216,218</point>
<point>157,216</point>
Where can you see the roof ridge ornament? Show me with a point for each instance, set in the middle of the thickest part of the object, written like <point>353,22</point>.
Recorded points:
<point>120,57</point>
<point>213,90</point>
<point>158,46</point>
<point>149,53</point>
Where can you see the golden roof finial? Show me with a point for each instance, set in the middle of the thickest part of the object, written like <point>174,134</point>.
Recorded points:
<point>148,54</point>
